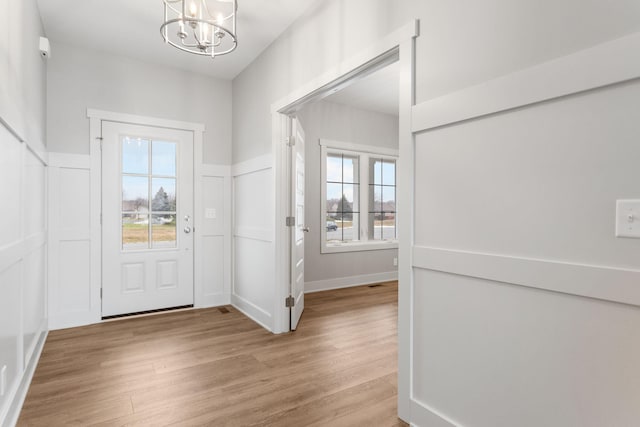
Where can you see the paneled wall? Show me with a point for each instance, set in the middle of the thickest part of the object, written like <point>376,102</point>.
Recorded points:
<point>216,236</point>
<point>23,251</point>
<point>253,239</point>
<point>526,306</point>
<point>71,302</point>
<point>23,192</point>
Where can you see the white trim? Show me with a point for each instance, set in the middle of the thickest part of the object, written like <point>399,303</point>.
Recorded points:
<point>359,246</point>
<point>593,281</point>
<point>422,415</point>
<point>605,64</point>
<point>133,119</point>
<point>349,282</point>
<point>66,160</point>
<point>254,233</point>
<point>359,148</point>
<point>404,221</point>
<point>95,139</point>
<point>252,311</point>
<point>252,165</point>
<point>15,403</point>
<point>380,47</point>
<point>223,171</point>
<point>403,41</point>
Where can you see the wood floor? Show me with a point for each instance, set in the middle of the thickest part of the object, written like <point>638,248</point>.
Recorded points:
<point>216,367</point>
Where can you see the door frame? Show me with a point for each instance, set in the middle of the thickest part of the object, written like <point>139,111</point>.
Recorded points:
<point>96,117</point>
<point>400,44</point>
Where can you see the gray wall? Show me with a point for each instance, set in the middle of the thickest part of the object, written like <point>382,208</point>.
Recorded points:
<point>461,44</point>
<point>80,78</point>
<point>337,122</point>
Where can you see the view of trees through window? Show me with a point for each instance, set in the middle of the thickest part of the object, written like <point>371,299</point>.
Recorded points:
<point>345,180</point>
<point>148,194</point>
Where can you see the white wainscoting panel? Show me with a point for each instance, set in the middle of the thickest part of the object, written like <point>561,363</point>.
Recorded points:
<point>216,236</point>
<point>253,240</point>
<point>23,247</point>
<point>524,305</point>
<point>70,299</point>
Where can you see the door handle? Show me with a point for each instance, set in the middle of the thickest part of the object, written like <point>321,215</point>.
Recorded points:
<point>187,229</point>
<point>306,229</point>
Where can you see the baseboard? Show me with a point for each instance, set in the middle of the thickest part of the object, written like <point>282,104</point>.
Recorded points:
<point>11,418</point>
<point>215,300</point>
<point>424,416</point>
<point>252,311</point>
<point>350,281</point>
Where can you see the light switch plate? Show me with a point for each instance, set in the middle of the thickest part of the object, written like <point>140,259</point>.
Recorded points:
<point>210,213</point>
<point>628,218</point>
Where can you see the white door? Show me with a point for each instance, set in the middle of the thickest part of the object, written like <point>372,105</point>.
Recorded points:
<point>147,218</point>
<point>297,233</point>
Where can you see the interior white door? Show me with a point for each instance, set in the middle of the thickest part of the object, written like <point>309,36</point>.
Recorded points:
<point>297,234</point>
<point>147,218</point>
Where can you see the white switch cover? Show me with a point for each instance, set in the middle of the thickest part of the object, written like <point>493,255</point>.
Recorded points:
<point>210,213</point>
<point>628,218</point>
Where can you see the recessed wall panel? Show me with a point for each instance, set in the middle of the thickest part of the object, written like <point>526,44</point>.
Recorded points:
<point>9,194</point>
<point>73,199</point>
<point>74,275</point>
<point>33,298</point>
<point>10,283</point>
<point>213,264</point>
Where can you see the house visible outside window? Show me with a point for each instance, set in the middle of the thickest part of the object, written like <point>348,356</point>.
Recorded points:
<point>358,197</point>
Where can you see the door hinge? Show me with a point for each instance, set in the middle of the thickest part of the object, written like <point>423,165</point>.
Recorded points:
<point>289,301</point>
<point>100,218</point>
<point>291,141</point>
<point>100,293</point>
<point>291,221</point>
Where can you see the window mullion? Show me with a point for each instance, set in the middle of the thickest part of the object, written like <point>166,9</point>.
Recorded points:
<point>364,197</point>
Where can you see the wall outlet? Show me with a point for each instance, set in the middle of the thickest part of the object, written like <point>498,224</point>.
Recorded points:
<point>395,261</point>
<point>3,380</point>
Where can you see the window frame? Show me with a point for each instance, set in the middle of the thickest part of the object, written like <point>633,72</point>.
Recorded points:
<point>364,153</point>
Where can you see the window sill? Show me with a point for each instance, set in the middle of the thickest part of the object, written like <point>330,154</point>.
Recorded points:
<point>331,248</point>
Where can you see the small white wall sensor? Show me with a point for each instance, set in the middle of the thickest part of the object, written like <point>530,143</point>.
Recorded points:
<point>45,47</point>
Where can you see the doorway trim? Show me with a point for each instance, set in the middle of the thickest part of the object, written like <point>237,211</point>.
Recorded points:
<point>401,45</point>
<point>96,117</point>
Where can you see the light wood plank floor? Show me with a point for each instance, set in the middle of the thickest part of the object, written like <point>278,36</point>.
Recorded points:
<point>210,367</point>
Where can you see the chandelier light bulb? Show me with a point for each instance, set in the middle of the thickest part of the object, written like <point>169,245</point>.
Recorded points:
<point>193,9</point>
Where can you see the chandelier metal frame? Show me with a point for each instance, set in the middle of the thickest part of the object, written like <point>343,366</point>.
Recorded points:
<point>198,29</point>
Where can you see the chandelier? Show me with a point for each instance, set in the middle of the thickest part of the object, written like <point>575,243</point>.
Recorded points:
<point>203,27</point>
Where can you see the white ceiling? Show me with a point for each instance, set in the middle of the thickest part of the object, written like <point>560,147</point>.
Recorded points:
<point>378,92</point>
<point>132,28</point>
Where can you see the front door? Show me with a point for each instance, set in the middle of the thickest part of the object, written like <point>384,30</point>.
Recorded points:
<point>297,233</point>
<point>147,218</point>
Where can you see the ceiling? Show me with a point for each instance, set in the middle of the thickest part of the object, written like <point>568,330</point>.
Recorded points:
<point>379,91</point>
<point>132,28</point>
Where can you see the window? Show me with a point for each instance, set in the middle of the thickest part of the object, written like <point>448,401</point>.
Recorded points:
<point>358,197</point>
<point>148,194</point>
